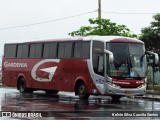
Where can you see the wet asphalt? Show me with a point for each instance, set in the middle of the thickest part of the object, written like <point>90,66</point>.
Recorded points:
<point>65,105</point>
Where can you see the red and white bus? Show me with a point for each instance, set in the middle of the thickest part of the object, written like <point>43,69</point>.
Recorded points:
<point>94,65</point>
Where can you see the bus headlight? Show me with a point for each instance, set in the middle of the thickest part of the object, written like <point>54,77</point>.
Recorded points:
<point>142,85</point>
<point>114,85</point>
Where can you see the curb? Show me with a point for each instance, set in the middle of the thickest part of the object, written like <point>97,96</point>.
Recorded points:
<point>150,97</point>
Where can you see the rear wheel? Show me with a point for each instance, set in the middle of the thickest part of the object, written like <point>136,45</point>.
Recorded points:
<point>82,91</point>
<point>22,87</point>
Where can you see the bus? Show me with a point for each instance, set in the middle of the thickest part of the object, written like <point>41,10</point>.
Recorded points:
<point>95,65</point>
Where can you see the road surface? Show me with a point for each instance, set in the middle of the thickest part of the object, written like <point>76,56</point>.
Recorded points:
<point>39,106</point>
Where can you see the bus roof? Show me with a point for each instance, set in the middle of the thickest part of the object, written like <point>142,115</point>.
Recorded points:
<point>114,39</point>
<point>89,38</point>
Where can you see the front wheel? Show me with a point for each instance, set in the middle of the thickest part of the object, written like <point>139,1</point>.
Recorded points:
<point>82,91</point>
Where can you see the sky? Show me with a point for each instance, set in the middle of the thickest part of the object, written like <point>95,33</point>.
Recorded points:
<point>46,19</point>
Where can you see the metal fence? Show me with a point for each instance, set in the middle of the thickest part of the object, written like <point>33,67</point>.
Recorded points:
<point>153,79</point>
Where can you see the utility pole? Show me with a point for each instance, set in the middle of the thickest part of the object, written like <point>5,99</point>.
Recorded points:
<point>99,13</point>
<point>99,9</point>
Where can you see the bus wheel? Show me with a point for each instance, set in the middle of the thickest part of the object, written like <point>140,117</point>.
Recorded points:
<point>82,91</point>
<point>116,97</point>
<point>22,86</point>
<point>51,91</point>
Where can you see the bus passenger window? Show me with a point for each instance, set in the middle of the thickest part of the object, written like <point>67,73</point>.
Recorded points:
<point>77,50</point>
<point>25,49</point>
<point>46,50</point>
<point>10,50</point>
<point>61,50</point>
<point>85,50</point>
<point>32,50</point>
<point>22,50</point>
<point>19,51</point>
<point>82,50</point>
<point>53,50</point>
<point>36,50</point>
<point>68,50</point>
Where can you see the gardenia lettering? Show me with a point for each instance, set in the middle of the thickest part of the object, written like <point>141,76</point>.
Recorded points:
<point>7,64</point>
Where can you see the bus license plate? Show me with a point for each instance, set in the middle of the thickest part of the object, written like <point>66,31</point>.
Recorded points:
<point>128,92</point>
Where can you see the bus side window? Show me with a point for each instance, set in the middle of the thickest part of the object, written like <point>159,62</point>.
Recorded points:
<point>32,50</point>
<point>46,50</point>
<point>25,50</point>
<point>61,50</point>
<point>82,50</point>
<point>53,50</point>
<point>77,50</point>
<point>19,51</point>
<point>85,50</point>
<point>36,50</point>
<point>22,50</point>
<point>68,50</point>
<point>10,50</point>
<point>50,50</point>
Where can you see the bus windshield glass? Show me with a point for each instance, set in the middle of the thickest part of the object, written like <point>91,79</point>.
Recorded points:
<point>129,60</point>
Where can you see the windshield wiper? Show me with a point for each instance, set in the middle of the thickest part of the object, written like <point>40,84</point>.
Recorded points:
<point>131,67</point>
<point>138,76</point>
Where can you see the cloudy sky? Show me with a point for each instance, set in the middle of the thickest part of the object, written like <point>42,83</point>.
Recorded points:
<point>27,20</point>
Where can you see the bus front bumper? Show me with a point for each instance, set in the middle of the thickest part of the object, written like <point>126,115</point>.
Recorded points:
<point>110,89</point>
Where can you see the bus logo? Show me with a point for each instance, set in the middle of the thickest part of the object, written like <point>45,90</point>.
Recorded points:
<point>50,70</point>
<point>18,65</point>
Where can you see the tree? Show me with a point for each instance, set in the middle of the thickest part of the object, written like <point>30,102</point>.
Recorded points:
<point>103,27</point>
<point>151,35</point>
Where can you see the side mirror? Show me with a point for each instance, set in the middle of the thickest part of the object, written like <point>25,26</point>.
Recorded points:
<point>154,57</point>
<point>110,56</point>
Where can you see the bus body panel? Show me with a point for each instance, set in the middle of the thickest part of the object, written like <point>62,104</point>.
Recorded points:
<point>64,79</point>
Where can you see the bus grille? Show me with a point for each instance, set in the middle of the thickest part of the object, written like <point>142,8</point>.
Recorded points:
<point>128,87</point>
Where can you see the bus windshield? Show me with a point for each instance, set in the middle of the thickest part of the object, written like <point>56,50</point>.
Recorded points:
<point>129,60</point>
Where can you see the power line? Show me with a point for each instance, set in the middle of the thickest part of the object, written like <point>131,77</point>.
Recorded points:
<point>32,24</point>
<point>125,13</point>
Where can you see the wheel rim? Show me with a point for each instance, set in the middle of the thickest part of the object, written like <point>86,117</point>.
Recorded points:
<point>82,90</point>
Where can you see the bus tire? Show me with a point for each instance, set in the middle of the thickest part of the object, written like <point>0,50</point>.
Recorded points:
<point>116,97</point>
<point>82,91</point>
<point>22,87</point>
<point>51,92</point>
